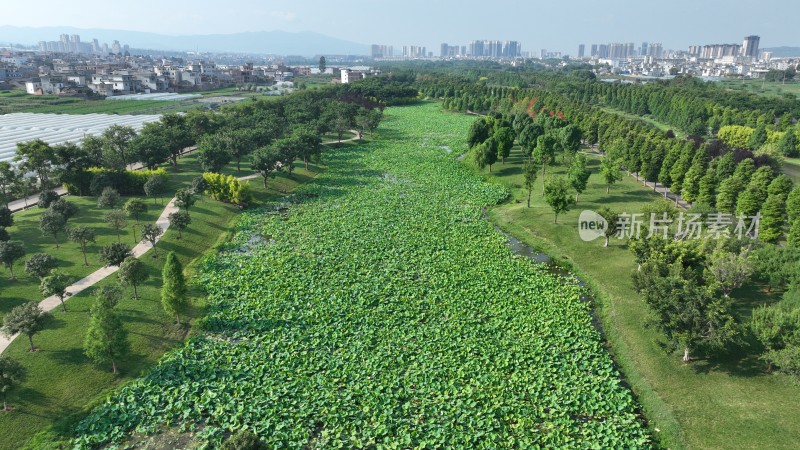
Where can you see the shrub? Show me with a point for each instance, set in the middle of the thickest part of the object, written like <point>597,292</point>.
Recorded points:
<point>226,188</point>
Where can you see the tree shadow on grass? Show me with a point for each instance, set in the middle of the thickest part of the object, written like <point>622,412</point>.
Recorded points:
<point>72,356</point>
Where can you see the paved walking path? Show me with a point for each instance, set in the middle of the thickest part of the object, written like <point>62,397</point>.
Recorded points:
<point>52,302</point>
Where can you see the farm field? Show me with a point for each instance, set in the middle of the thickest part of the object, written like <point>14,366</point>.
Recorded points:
<point>711,403</point>
<point>378,308</point>
<point>764,88</point>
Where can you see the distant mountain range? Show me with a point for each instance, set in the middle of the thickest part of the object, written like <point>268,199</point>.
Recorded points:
<point>783,52</point>
<point>262,42</point>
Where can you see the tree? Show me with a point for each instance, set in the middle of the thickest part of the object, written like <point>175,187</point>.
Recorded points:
<point>151,146</point>
<point>504,137</point>
<point>46,198</point>
<point>135,207</point>
<point>758,138</point>
<point>730,270</point>
<point>612,219</point>
<point>27,319</point>
<point>150,233</point>
<point>180,220</point>
<point>685,310</point>
<point>116,141</point>
<point>544,152</point>
<point>529,136</point>
<point>113,254</point>
<point>529,170</point>
<point>728,195</point>
<point>106,339</point>
<point>184,199</point>
<point>109,198</point>
<point>6,217</point>
<point>40,265</point>
<point>773,213</point>
<point>132,272</point>
<point>52,223</point>
<point>570,139</point>
<point>117,220</point>
<point>213,152</point>
<point>754,196</point>
<point>308,142</point>
<point>8,178</point>
<point>556,194</point>
<point>11,373</point>
<point>56,284</point>
<point>266,161</point>
<point>65,208</point>
<point>10,252</point>
<point>793,204</point>
<point>478,132</point>
<point>787,145</point>
<point>173,290</point>
<point>579,175</point>
<point>82,236</point>
<point>36,156</point>
<point>322,64</point>
<point>485,154</point>
<point>24,187</point>
<point>775,328</point>
<point>610,170</point>
<point>793,239</point>
<point>154,187</point>
<point>4,236</point>
<point>199,185</point>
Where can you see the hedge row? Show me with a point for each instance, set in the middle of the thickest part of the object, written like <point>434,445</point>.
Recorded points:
<point>129,182</point>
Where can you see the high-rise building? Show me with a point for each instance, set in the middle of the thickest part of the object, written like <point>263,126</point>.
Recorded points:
<point>116,48</point>
<point>594,50</point>
<point>43,46</point>
<point>581,50</point>
<point>750,47</point>
<point>602,51</point>
<point>445,49</point>
<point>643,49</point>
<point>75,43</point>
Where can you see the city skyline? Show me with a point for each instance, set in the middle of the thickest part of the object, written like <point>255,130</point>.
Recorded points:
<point>536,26</point>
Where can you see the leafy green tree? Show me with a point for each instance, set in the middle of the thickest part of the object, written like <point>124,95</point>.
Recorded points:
<point>213,153</point>
<point>8,178</point>
<point>173,290</point>
<point>135,207</point>
<point>266,162</point>
<point>529,137</point>
<point>10,252</point>
<point>479,131</point>
<point>707,194</point>
<point>151,233</point>
<point>46,198</point>
<point>781,186</point>
<point>132,272</point>
<point>758,138</point>
<point>64,207</point>
<point>773,213</point>
<point>106,339</point>
<point>689,314</point>
<point>728,195</point>
<point>116,142</point>
<point>36,156</point>
<point>184,199</point>
<point>180,220</point>
<point>754,196</point>
<point>484,155</point>
<point>778,266</point>
<point>730,270</point>
<point>556,194</point>
<point>529,170</point>
<point>11,373</point>
<point>579,175</point>
<point>151,146</point>
<point>612,221</point>
<point>787,145</point>
<point>56,284</point>
<point>504,137</point>
<point>691,181</point>
<point>117,220</point>
<point>40,265</point>
<point>82,236</point>
<point>27,319</point>
<point>726,166</point>
<point>322,64</point>
<point>109,198</point>
<point>793,239</point>
<point>6,218</point>
<point>610,170</point>
<point>154,187</point>
<point>570,139</point>
<point>308,142</point>
<point>545,152</point>
<point>775,328</point>
<point>114,253</point>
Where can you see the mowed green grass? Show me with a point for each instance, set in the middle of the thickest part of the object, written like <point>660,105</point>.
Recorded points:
<point>648,120</point>
<point>765,88</point>
<point>62,384</point>
<point>718,403</point>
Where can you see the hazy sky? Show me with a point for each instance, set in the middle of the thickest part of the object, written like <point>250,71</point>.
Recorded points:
<point>555,25</point>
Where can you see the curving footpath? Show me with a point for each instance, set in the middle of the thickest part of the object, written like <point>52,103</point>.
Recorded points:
<point>98,275</point>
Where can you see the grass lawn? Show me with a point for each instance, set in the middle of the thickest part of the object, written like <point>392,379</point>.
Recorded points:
<point>62,384</point>
<point>764,88</point>
<point>723,402</point>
